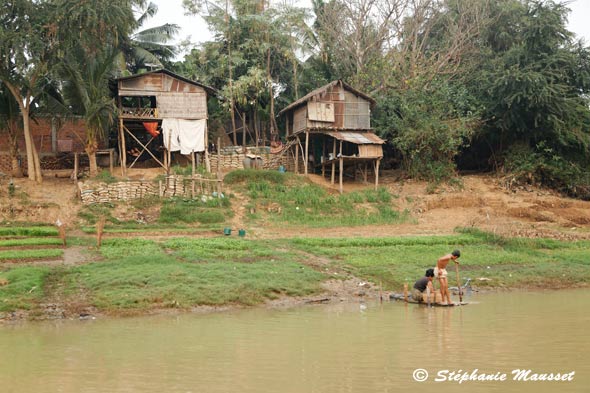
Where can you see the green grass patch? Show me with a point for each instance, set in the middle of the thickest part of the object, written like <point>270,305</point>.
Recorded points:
<point>255,176</point>
<point>31,254</point>
<point>505,262</point>
<point>122,247</point>
<point>163,281</point>
<point>204,211</point>
<point>221,249</point>
<point>306,204</point>
<point>24,289</point>
<point>32,231</point>
<point>92,213</point>
<point>30,241</point>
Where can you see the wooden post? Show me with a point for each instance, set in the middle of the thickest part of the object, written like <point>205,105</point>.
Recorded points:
<point>193,174</point>
<point>99,231</point>
<point>306,158</point>
<point>169,153</point>
<point>377,173</point>
<point>323,157</point>
<point>207,162</point>
<point>111,159</point>
<point>123,152</point>
<point>341,174</point>
<point>193,163</point>
<point>218,156</point>
<point>244,133</point>
<point>333,162</point>
<point>76,166</point>
<point>160,189</point>
<point>297,155</point>
<point>62,233</point>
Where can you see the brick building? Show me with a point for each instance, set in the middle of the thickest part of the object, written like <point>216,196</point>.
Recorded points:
<point>53,136</point>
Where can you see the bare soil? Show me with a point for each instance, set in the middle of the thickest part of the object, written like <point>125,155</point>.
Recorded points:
<point>483,202</point>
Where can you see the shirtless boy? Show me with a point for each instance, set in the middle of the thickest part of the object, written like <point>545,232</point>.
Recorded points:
<point>440,271</point>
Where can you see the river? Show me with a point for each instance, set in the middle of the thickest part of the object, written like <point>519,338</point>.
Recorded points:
<point>347,347</point>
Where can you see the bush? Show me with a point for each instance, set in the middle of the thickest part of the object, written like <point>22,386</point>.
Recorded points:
<point>544,166</point>
<point>254,175</point>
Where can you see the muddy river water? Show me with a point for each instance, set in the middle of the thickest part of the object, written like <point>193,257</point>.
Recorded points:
<point>347,347</point>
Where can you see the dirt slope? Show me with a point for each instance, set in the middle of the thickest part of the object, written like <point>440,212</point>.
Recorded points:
<point>481,202</point>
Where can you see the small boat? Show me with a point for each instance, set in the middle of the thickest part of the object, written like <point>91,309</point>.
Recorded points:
<point>400,298</point>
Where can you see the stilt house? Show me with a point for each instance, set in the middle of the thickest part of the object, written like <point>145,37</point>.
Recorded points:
<point>331,128</point>
<point>159,113</point>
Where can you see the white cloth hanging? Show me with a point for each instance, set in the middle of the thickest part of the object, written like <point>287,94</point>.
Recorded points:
<point>170,134</point>
<point>191,135</point>
<point>185,136</point>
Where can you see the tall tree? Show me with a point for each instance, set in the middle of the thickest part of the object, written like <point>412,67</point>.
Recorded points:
<point>251,41</point>
<point>149,47</point>
<point>534,82</point>
<point>90,34</point>
<point>27,52</point>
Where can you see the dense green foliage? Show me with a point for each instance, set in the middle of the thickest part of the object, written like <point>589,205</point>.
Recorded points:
<point>459,84</point>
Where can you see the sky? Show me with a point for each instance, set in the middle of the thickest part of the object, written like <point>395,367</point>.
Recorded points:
<point>171,11</point>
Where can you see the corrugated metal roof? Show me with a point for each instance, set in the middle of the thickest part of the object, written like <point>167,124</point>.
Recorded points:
<point>171,74</point>
<point>359,138</point>
<point>322,89</point>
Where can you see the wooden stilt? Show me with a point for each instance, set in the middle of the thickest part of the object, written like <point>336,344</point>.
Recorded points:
<point>123,151</point>
<point>306,158</point>
<point>218,156</point>
<point>297,156</point>
<point>206,156</point>
<point>341,174</point>
<point>76,162</point>
<point>377,173</point>
<point>193,174</point>
<point>323,157</point>
<point>333,162</point>
<point>169,154</point>
<point>111,159</point>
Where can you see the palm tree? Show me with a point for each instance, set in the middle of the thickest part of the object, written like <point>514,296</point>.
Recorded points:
<point>149,47</point>
<point>86,92</point>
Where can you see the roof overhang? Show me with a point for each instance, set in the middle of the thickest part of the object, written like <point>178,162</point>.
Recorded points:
<point>358,138</point>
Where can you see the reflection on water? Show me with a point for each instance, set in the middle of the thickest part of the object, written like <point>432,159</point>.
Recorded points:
<point>339,348</point>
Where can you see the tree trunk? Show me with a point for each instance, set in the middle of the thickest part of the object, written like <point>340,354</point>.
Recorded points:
<point>91,151</point>
<point>16,170</point>
<point>33,164</point>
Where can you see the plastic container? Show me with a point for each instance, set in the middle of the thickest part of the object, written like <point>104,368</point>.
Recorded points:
<point>227,231</point>
<point>242,233</point>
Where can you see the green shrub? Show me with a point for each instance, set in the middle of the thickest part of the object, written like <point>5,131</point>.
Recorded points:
<point>254,175</point>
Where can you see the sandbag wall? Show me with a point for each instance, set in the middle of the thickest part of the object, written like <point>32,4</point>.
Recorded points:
<point>231,158</point>
<point>175,185</point>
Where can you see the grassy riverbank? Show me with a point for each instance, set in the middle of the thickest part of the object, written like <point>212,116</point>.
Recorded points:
<point>138,275</point>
